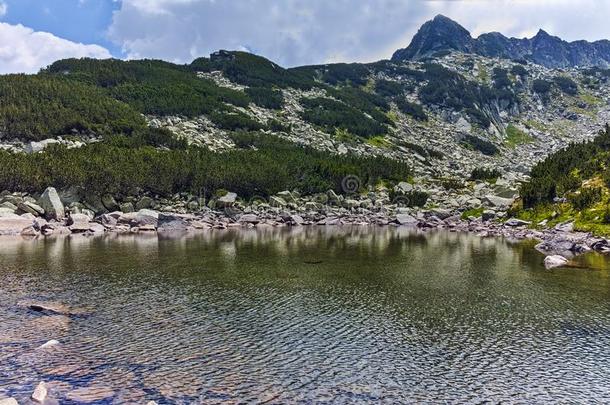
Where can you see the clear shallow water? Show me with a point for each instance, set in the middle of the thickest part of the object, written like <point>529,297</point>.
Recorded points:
<point>311,315</point>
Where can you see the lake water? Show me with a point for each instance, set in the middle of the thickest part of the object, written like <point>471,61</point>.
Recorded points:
<point>308,315</point>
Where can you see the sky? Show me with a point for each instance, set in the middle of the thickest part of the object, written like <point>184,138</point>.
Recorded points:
<point>35,33</point>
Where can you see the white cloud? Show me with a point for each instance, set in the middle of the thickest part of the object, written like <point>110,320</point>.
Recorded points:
<point>3,9</point>
<point>296,32</point>
<point>25,50</point>
<point>290,32</point>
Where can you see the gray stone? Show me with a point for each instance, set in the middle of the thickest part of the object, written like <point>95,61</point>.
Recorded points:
<point>144,202</point>
<point>403,187</point>
<point>226,200</point>
<point>565,227</point>
<point>40,393</point>
<point>52,205</point>
<point>516,222</point>
<point>126,207</point>
<point>406,219</point>
<point>553,261</point>
<point>13,224</point>
<point>488,215</point>
<point>110,203</point>
<point>31,208</point>
<point>249,219</point>
<point>499,202</point>
<point>171,223</point>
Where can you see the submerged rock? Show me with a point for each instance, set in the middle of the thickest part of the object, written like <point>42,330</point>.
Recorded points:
<point>40,393</point>
<point>9,401</point>
<point>550,262</point>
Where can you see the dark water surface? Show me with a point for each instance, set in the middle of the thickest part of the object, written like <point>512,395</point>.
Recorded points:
<point>313,315</point>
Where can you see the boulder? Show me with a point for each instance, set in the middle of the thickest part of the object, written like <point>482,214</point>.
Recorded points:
<point>6,212</point>
<point>78,223</point>
<point>516,222</point>
<point>110,203</point>
<point>9,206</point>
<point>145,202</point>
<point>406,219</point>
<point>249,219</point>
<point>296,219</point>
<point>226,200</point>
<point>565,227</point>
<point>40,393</point>
<point>30,208</point>
<point>488,215</point>
<point>403,187</point>
<point>171,223</point>
<point>553,261</point>
<point>12,224</point>
<point>142,217</point>
<point>50,343</point>
<point>52,205</point>
<point>498,202</point>
<point>9,401</point>
<point>126,207</point>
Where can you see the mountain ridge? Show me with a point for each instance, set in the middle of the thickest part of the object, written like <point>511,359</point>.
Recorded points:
<point>443,34</point>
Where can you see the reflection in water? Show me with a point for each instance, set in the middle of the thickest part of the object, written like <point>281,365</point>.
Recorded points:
<point>310,314</point>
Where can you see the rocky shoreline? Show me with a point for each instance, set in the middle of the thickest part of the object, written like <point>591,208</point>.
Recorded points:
<point>24,216</point>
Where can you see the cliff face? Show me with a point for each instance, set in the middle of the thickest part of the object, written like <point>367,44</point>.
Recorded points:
<point>443,34</point>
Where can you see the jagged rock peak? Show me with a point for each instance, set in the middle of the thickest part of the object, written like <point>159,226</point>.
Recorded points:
<point>443,34</point>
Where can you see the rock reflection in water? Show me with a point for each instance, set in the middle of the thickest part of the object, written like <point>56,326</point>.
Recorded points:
<point>311,314</point>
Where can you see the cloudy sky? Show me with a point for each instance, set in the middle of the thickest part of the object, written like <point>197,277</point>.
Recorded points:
<point>34,33</point>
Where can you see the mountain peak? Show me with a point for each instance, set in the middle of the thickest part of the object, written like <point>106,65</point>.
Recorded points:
<point>443,34</point>
<point>439,34</point>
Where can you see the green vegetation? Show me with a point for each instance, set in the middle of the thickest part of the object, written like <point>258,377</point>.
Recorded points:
<point>252,70</point>
<point>481,173</point>
<point>331,115</point>
<point>519,70</point>
<point>150,86</point>
<point>541,86</point>
<point>414,110</point>
<point>515,136</point>
<point>485,147</point>
<point>119,169</point>
<point>565,170</point>
<point>585,197</point>
<point>38,107</point>
<point>473,212</point>
<point>379,141</point>
<point>266,97</point>
<point>566,85</point>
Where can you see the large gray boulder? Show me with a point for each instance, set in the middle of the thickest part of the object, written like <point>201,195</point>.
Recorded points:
<point>550,262</point>
<point>499,202</point>
<point>406,219</point>
<point>171,223</point>
<point>143,217</point>
<point>226,200</point>
<point>12,224</point>
<point>52,205</point>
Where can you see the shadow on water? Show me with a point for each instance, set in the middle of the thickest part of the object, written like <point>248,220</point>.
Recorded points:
<point>312,314</point>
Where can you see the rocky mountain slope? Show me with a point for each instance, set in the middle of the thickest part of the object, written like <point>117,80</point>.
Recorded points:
<point>457,131</point>
<point>443,34</point>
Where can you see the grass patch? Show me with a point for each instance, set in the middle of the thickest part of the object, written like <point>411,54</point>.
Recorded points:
<point>379,142</point>
<point>515,136</point>
<point>540,126</point>
<point>590,99</point>
<point>474,212</point>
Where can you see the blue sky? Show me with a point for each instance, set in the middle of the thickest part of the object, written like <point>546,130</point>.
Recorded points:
<point>34,33</point>
<point>84,21</point>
